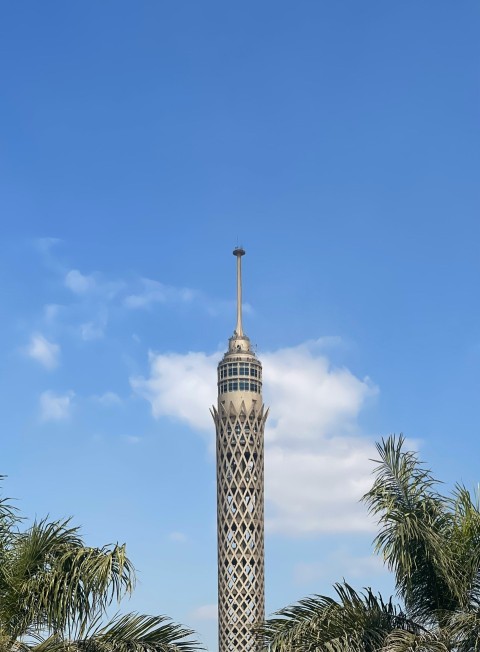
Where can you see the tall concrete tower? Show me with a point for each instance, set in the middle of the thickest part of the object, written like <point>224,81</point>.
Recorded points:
<point>240,421</point>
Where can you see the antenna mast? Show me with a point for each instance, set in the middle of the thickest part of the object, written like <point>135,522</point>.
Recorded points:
<point>239,252</point>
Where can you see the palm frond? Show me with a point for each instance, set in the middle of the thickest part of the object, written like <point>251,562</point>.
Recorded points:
<point>9,519</point>
<point>465,544</point>
<point>425,641</point>
<point>415,525</point>
<point>357,622</point>
<point>137,633</point>
<point>464,629</point>
<point>55,590</point>
<point>57,582</point>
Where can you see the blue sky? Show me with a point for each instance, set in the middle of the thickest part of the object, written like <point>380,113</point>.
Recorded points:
<point>139,142</point>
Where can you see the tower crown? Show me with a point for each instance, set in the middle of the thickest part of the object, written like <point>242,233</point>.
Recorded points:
<point>240,371</point>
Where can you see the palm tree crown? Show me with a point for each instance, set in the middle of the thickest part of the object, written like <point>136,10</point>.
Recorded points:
<point>431,543</point>
<point>55,590</point>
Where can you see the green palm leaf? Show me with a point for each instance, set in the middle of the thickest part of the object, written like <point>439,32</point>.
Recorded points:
<point>432,544</point>
<point>55,590</point>
<point>425,641</point>
<point>138,633</point>
<point>128,633</point>
<point>354,622</point>
<point>57,582</point>
<point>415,526</point>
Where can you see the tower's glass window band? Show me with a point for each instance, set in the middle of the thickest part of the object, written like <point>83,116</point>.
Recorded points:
<point>242,385</point>
<point>241,369</point>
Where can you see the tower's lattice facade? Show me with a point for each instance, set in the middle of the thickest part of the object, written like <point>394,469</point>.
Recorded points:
<point>240,420</point>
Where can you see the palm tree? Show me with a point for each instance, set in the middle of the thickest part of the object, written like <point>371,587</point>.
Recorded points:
<point>353,621</point>
<point>55,590</point>
<point>431,543</point>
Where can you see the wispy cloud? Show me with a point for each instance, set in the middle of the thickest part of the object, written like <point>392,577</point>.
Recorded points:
<point>43,351</point>
<point>95,298</point>
<point>79,283</point>
<point>205,612</point>
<point>342,562</point>
<point>132,439</point>
<point>317,461</point>
<point>46,248</point>
<point>44,245</point>
<point>88,311</point>
<point>155,292</point>
<point>108,399</point>
<point>178,537</point>
<point>51,312</point>
<point>95,329</point>
<point>55,407</point>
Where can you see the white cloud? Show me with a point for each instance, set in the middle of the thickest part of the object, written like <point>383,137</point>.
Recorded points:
<point>55,407</point>
<point>43,351</point>
<point>316,465</point>
<point>45,244</point>
<point>205,612</point>
<point>79,283</point>
<point>339,563</point>
<point>50,312</point>
<point>156,292</point>
<point>181,386</point>
<point>178,537</point>
<point>132,439</point>
<point>308,397</point>
<point>318,490</point>
<point>91,330</point>
<point>317,462</point>
<point>95,298</point>
<point>108,399</point>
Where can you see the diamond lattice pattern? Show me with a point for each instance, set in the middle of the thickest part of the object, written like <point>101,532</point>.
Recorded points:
<point>240,522</point>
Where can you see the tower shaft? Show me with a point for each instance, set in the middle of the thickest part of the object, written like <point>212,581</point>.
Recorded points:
<point>240,422</point>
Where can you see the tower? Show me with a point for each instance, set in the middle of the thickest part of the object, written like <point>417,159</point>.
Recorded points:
<point>240,421</point>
